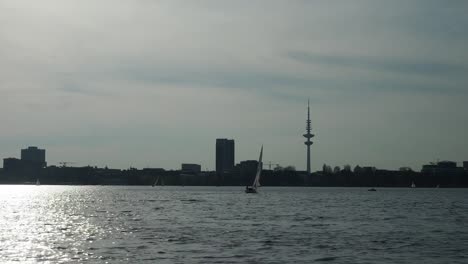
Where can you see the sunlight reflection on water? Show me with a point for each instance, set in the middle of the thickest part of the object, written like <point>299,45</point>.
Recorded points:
<point>209,225</point>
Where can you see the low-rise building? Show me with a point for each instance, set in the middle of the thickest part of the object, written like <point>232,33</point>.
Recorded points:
<point>445,173</point>
<point>247,169</point>
<point>189,167</point>
<point>12,164</point>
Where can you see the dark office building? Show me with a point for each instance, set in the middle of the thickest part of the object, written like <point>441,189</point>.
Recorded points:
<point>34,155</point>
<point>247,170</point>
<point>224,155</point>
<point>186,167</point>
<point>447,164</point>
<point>443,167</point>
<point>444,173</point>
<point>12,164</point>
<point>465,165</point>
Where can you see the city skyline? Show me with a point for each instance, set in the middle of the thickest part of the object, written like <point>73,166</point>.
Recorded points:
<point>152,84</point>
<point>224,158</point>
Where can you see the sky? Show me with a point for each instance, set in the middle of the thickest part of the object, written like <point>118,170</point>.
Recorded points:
<point>153,83</point>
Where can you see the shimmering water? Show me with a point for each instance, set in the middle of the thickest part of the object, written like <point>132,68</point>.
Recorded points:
<point>224,225</point>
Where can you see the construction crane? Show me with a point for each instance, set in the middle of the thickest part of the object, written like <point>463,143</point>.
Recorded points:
<point>271,163</point>
<point>65,163</point>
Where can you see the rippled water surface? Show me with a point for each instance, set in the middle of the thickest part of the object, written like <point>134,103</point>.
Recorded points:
<point>224,225</point>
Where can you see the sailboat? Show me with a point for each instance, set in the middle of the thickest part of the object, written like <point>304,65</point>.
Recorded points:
<point>413,185</point>
<point>38,182</point>
<point>256,182</point>
<point>155,181</point>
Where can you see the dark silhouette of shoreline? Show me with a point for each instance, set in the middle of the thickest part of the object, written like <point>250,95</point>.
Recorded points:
<point>32,168</point>
<point>239,176</point>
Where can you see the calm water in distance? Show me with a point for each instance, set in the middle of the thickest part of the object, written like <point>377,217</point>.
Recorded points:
<point>99,224</point>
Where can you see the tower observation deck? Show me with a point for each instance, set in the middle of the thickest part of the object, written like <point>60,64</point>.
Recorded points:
<point>308,135</point>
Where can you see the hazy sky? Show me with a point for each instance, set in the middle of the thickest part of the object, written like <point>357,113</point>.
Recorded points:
<point>153,83</point>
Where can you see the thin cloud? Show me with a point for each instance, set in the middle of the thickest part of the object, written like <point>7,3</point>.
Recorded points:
<point>393,65</point>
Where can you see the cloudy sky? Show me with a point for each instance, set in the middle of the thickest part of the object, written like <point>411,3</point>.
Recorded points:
<point>153,83</point>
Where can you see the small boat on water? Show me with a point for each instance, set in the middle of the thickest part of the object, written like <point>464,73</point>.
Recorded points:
<point>38,182</point>
<point>155,181</point>
<point>372,190</point>
<point>413,185</point>
<point>256,182</point>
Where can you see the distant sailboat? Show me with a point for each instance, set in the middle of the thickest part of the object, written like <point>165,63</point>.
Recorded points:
<point>155,181</point>
<point>256,183</point>
<point>413,185</point>
<point>38,182</point>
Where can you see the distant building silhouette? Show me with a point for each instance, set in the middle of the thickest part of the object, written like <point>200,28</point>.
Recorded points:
<point>34,155</point>
<point>465,165</point>
<point>224,155</point>
<point>405,169</point>
<point>444,172</point>
<point>247,170</point>
<point>442,166</point>
<point>447,164</point>
<point>12,164</point>
<point>194,168</point>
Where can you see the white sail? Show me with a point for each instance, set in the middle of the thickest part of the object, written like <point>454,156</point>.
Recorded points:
<point>256,182</point>
<point>156,181</point>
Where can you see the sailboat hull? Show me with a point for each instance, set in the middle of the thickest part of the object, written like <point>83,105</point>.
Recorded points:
<point>250,190</point>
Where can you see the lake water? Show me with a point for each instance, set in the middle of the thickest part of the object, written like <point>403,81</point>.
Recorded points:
<point>224,225</point>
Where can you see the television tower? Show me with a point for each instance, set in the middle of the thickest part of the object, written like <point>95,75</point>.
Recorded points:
<point>308,135</point>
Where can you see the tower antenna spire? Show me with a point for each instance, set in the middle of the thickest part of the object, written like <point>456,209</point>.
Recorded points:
<point>308,135</point>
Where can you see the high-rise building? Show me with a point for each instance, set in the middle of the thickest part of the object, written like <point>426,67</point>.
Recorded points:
<point>34,155</point>
<point>224,155</point>
<point>308,135</point>
<point>465,165</point>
